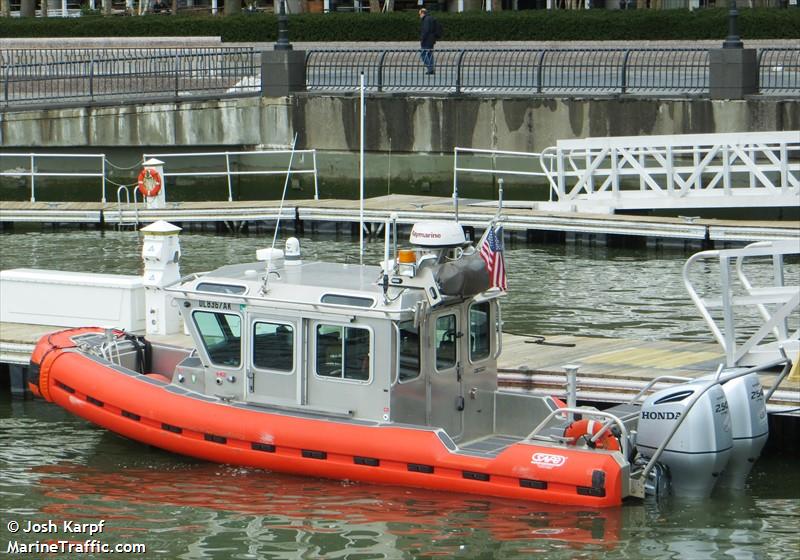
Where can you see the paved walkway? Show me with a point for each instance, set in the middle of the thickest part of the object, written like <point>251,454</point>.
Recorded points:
<point>166,42</point>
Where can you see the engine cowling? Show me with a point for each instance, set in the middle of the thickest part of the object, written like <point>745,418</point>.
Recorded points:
<point>749,428</point>
<point>700,448</point>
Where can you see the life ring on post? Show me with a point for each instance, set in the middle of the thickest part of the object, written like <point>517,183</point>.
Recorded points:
<point>586,430</point>
<point>149,183</point>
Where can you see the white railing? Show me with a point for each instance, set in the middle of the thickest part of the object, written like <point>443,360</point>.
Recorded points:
<point>775,301</point>
<point>229,173</point>
<point>678,171</point>
<point>31,160</point>
<point>503,168</point>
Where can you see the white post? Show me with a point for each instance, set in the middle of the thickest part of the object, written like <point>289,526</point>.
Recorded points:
<point>64,8</point>
<point>160,199</point>
<point>214,7</point>
<point>361,180</point>
<point>161,253</point>
<point>572,387</point>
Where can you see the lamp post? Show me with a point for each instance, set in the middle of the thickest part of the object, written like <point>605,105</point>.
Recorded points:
<point>733,41</point>
<point>283,43</point>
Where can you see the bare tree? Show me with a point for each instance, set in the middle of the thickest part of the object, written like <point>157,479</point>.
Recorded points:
<point>374,6</point>
<point>27,8</point>
<point>44,8</point>
<point>5,8</point>
<point>233,7</point>
<point>106,7</point>
<point>174,7</point>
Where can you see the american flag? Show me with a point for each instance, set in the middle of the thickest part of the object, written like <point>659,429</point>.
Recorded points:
<point>492,254</point>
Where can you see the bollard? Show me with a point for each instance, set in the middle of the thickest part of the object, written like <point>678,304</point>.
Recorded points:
<point>161,253</point>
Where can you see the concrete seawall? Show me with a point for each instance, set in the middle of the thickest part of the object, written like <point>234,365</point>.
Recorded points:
<point>396,123</point>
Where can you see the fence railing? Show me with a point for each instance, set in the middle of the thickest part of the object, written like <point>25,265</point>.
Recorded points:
<point>87,75</point>
<point>214,161</point>
<point>31,77</point>
<point>28,166</point>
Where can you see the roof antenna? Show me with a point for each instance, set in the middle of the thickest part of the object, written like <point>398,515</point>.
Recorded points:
<point>265,287</point>
<point>361,176</point>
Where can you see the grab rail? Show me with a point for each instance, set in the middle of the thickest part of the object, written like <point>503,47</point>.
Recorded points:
<point>624,441</point>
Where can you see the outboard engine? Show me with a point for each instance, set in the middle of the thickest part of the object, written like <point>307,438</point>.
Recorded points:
<point>749,428</point>
<point>699,450</point>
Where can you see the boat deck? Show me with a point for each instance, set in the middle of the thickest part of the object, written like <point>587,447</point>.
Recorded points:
<point>519,216</point>
<point>611,370</point>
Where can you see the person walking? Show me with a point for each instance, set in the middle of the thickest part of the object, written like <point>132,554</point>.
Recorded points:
<point>427,39</point>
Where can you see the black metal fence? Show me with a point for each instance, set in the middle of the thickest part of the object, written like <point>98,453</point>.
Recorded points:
<point>72,76</point>
<point>79,76</point>
<point>569,71</point>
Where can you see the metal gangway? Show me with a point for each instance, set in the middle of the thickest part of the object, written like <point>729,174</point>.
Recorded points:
<point>603,175</point>
<point>752,310</point>
<point>725,170</point>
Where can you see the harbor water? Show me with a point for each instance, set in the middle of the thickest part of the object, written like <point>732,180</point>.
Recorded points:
<point>56,467</point>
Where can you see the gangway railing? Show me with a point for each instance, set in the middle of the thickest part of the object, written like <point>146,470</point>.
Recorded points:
<point>229,173</point>
<point>501,163</point>
<point>775,301</point>
<point>28,166</point>
<point>678,171</point>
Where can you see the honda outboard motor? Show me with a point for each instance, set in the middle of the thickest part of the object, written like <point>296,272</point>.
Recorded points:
<point>699,450</point>
<point>749,428</point>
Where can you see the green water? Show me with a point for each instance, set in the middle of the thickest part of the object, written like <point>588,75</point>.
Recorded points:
<point>55,467</point>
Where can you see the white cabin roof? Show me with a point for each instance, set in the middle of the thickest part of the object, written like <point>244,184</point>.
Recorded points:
<point>304,282</point>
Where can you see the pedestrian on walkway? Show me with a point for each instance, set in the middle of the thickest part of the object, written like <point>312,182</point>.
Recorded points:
<point>429,32</point>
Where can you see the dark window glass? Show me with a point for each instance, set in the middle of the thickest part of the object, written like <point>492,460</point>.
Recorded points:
<point>409,351</point>
<point>348,300</point>
<point>479,332</point>
<point>221,288</point>
<point>273,346</point>
<point>445,338</point>
<point>222,336</point>
<point>343,352</point>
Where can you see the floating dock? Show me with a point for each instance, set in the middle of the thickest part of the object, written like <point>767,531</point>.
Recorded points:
<point>611,370</point>
<point>519,217</point>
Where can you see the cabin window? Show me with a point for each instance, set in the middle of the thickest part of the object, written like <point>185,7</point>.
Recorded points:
<point>273,346</point>
<point>221,288</point>
<point>352,301</point>
<point>445,342</point>
<point>479,331</point>
<point>343,352</point>
<point>222,337</point>
<point>408,368</point>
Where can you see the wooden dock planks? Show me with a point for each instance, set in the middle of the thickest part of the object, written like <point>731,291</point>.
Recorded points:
<point>409,208</point>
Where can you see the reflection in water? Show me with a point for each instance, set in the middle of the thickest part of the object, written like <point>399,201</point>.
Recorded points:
<point>207,506</point>
<point>58,467</point>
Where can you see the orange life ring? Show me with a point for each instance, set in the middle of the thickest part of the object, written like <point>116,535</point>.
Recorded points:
<point>149,183</point>
<point>586,429</point>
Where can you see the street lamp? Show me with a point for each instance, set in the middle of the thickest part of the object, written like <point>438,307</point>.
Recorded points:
<point>732,41</point>
<point>283,43</point>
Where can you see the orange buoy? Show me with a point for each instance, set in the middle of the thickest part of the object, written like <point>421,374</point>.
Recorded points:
<point>586,430</point>
<point>149,182</point>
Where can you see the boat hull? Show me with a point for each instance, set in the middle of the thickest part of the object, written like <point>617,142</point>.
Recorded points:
<point>159,414</point>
